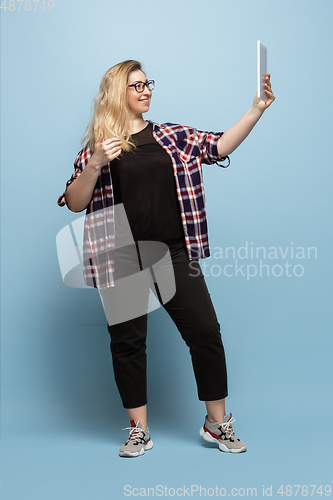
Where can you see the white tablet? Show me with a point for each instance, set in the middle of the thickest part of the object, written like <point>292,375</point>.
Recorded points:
<point>261,69</point>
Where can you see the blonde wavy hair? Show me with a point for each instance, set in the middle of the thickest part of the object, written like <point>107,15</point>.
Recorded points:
<point>111,114</point>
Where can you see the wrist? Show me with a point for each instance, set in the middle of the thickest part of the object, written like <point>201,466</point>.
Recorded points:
<point>256,111</point>
<point>94,164</point>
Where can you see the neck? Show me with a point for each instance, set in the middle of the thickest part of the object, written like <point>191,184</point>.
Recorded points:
<point>136,125</point>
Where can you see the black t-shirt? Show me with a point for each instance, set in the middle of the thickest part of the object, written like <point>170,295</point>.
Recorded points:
<point>143,180</point>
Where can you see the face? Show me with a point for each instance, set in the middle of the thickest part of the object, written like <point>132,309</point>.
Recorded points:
<point>138,103</point>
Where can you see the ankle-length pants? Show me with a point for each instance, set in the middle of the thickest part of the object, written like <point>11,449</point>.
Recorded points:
<point>193,313</point>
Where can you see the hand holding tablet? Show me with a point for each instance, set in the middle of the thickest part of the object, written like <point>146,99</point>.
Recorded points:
<point>264,91</point>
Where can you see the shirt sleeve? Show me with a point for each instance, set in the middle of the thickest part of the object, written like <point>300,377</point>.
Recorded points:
<point>208,147</point>
<point>80,162</point>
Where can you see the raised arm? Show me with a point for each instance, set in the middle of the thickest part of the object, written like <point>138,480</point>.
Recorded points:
<point>79,193</point>
<point>236,134</point>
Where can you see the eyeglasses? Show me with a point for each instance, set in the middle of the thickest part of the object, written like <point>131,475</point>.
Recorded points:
<point>140,86</point>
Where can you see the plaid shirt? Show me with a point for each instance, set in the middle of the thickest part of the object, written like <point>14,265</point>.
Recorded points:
<point>187,148</point>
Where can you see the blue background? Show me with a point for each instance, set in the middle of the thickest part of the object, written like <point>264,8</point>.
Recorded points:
<point>61,413</point>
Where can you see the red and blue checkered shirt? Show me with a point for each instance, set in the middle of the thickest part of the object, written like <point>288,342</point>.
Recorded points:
<point>188,148</point>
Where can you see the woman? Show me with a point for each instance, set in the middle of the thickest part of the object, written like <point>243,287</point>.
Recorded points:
<point>155,172</point>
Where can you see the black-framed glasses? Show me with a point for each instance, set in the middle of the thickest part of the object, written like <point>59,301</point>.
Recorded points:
<point>140,86</point>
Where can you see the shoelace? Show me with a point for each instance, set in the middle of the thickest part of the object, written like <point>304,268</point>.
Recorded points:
<point>135,433</point>
<point>227,427</point>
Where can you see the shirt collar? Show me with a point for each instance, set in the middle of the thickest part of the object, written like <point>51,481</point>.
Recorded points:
<point>156,125</point>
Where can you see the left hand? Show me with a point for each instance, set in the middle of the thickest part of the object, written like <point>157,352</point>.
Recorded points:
<point>262,105</point>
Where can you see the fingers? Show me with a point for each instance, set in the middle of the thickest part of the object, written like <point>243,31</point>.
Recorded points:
<point>108,150</point>
<point>111,148</point>
<point>107,141</point>
<point>270,97</point>
<point>266,78</point>
<point>117,153</point>
<point>111,141</point>
<point>268,87</point>
<point>109,144</point>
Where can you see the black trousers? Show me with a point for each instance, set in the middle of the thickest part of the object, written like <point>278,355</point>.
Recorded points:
<point>193,313</point>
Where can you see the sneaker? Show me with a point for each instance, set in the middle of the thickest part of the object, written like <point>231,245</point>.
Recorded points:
<point>138,441</point>
<point>223,435</point>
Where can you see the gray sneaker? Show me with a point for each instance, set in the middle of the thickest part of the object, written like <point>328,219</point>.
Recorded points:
<point>223,435</point>
<point>138,441</point>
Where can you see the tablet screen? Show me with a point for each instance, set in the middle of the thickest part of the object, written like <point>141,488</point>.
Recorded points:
<point>261,69</point>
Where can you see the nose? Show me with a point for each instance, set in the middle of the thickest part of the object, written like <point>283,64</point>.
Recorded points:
<point>146,92</point>
<point>147,89</point>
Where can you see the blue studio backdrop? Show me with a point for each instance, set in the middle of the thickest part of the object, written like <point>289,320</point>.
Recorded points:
<point>269,274</point>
